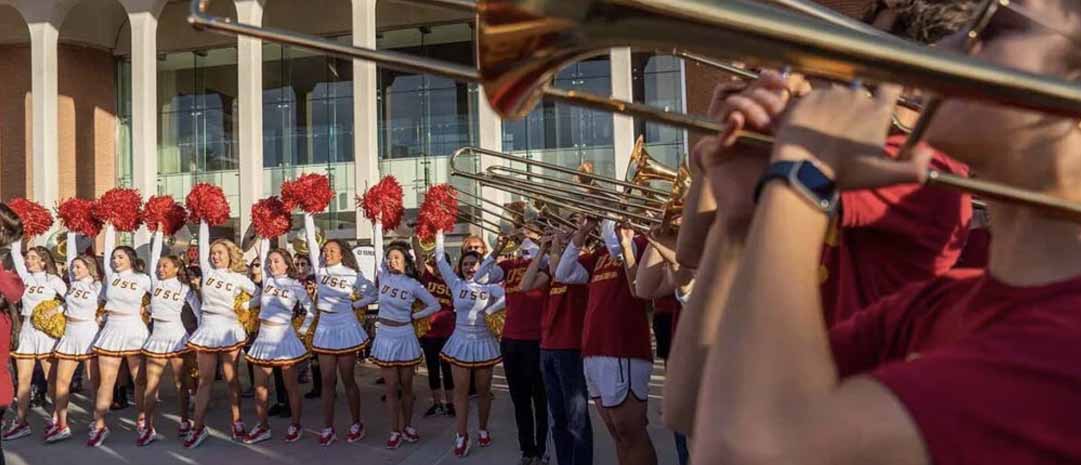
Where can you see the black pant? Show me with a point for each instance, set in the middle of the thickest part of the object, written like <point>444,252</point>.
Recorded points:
<point>439,375</point>
<point>521,364</point>
<point>279,386</point>
<point>662,330</point>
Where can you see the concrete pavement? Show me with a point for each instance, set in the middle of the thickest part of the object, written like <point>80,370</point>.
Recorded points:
<point>437,434</point>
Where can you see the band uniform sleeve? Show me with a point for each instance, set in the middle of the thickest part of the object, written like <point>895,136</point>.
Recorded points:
<point>570,270</point>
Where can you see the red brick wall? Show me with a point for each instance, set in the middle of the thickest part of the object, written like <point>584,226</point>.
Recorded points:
<point>86,110</point>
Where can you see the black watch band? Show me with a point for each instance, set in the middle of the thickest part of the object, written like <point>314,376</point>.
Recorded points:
<point>806,179</point>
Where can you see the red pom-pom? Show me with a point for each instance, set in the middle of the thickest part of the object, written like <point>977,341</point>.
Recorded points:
<point>270,218</point>
<point>35,218</point>
<point>311,192</point>
<point>78,216</point>
<point>121,207</point>
<point>207,202</point>
<point>438,212</point>
<point>163,210</point>
<point>383,203</point>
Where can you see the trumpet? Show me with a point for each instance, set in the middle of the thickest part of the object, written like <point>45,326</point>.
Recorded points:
<point>300,243</point>
<point>521,44</point>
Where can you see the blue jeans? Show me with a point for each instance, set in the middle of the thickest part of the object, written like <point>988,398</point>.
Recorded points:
<point>568,403</point>
<point>681,449</point>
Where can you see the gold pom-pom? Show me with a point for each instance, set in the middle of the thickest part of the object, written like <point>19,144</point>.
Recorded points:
<point>247,312</point>
<point>305,336</point>
<point>495,322</point>
<point>422,325</point>
<point>48,320</point>
<point>101,312</point>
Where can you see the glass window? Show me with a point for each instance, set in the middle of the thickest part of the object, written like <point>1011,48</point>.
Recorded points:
<point>123,123</point>
<point>657,80</point>
<point>424,119</point>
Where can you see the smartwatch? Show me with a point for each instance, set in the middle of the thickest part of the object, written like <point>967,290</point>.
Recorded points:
<point>807,180</point>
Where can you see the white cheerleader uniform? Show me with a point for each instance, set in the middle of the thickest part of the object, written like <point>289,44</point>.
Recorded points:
<point>397,346</point>
<point>40,287</point>
<point>338,331</point>
<point>168,336</point>
<point>124,333</point>
<point>472,344</point>
<point>81,310</point>
<point>219,330</point>
<point>277,343</point>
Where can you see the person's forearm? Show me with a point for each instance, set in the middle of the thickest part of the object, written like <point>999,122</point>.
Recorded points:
<point>630,263</point>
<point>699,209</point>
<point>650,274</point>
<point>771,357</point>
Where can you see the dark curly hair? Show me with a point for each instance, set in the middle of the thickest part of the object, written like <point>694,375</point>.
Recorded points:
<point>925,21</point>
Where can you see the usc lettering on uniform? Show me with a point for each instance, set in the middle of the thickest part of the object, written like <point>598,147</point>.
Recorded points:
<point>120,283</point>
<point>395,292</point>
<point>276,292</point>
<point>219,284</point>
<point>167,294</point>
<point>79,294</point>
<point>331,281</point>
<point>513,280</point>
<point>557,290</point>
<point>438,288</point>
<point>607,267</point>
<point>35,290</point>
<point>472,295</point>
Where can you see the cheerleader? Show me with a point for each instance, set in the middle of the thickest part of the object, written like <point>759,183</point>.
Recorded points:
<point>277,344</point>
<point>338,335</point>
<point>80,331</point>
<point>396,349</point>
<point>472,348</point>
<point>220,335</point>
<point>123,335</point>
<point>43,283</point>
<point>168,341</point>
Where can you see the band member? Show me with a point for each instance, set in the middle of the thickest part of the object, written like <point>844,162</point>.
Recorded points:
<point>911,376</point>
<point>882,240</point>
<point>520,346</point>
<point>168,341</point>
<point>618,359</point>
<point>124,334</point>
<point>560,353</point>
<point>338,334</point>
<point>472,349</point>
<point>440,377</point>
<point>396,349</point>
<point>220,335</point>
<point>277,344</point>
<point>80,329</point>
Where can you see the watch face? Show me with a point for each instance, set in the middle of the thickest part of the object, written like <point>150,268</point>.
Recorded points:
<point>815,181</point>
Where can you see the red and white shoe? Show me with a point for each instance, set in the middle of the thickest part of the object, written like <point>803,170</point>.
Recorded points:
<point>196,437</point>
<point>184,430</point>
<point>327,437</point>
<point>410,434</point>
<point>140,426</point>
<point>294,433</point>
<point>16,431</point>
<point>57,434</point>
<point>239,432</point>
<point>356,433</point>
<point>259,434</point>
<point>97,437</point>
<point>394,441</point>
<point>484,438</point>
<point>149,435</point>
<point>461,446</point>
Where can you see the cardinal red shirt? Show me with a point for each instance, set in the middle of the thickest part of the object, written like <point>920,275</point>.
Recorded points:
<point>443,320</point>
<point>989,372</point>
<point>884,239</point>
<point>524,309</point>
<point>616,324</point>
<point>977,249</point>
<point>12,289</point>
<point>665,305</point>
<point>564,314</point>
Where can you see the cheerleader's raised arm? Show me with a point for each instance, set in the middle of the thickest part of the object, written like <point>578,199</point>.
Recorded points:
<point>155,255</point>
<point>204,246</point>
<point>313,245</point>
<point>445,270</point>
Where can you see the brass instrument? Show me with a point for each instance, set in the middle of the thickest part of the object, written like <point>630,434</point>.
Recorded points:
<point>521,44</point>
<point>300,243</point>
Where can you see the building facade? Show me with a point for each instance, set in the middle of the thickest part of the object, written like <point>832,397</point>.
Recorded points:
<point>105,93</point>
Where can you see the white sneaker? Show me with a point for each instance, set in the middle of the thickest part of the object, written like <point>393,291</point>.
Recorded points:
<point>259,434</point>
<point>16,431</point>
<point>57,435</point>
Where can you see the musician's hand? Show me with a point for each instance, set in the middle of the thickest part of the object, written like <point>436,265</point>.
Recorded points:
<point>842,130</point>
<point>732,173</point>
<point>758,106</point>
<point>626,234</point>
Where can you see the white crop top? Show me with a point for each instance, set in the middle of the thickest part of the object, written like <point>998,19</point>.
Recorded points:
<point>281,294</point>
<point>337,283</point>
<point>84,295</point>
<point>124,290</point>
<point>472,300</point>
<point>40,286</point>
<point>220,287</point>
<point>169,295</point>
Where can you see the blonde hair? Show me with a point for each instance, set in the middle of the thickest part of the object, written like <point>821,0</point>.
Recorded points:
<point>483,244</point>
<point>236,256</point>
<point>91,265</point>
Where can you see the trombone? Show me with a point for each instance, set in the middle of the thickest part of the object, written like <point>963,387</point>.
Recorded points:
<point>521,44</point>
